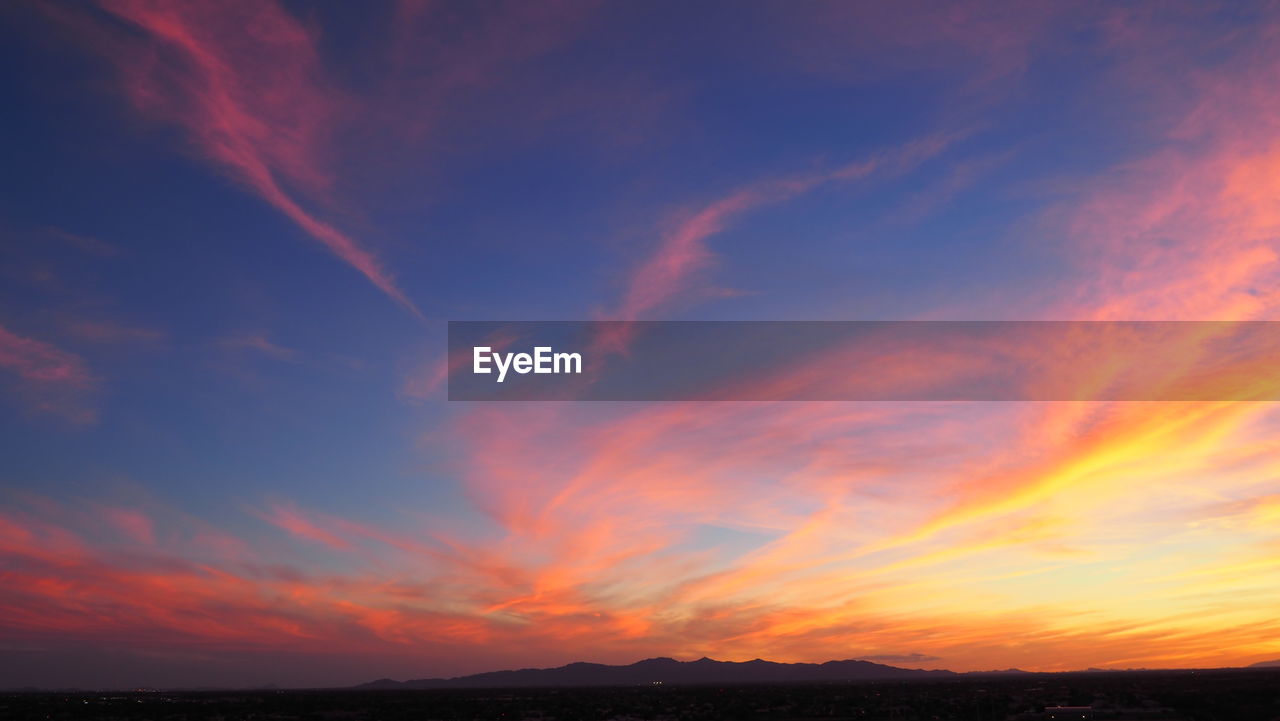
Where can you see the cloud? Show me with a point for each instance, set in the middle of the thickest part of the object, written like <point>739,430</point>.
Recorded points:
<point>131,522</point>
<point>52,379</point>
<point>141,578</point>
<point>288,518</point>
<point>1051,534</point>
<point>1047,536</point>
<point>40,362</point>
<point>901,658</point>
<point>262,106</point>
<point>258,104</point>
<point>682,251</point>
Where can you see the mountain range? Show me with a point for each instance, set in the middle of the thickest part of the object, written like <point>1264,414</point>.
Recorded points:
<point>669,671</point>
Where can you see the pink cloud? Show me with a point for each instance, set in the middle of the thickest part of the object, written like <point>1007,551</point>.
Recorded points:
<point>812,511</point>
<point>40,362</point>
<point>133,523</point>
<point>290,519</point>
<point>257,103</point>
<point>682,251</point>
<point>842,503</point>
<point>669,272</point>
<point>53,380</point>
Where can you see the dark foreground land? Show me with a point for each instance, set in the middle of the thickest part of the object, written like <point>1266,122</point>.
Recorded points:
<point>1225,695</point>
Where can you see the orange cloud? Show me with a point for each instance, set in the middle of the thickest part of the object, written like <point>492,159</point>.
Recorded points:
<point>1042,535</point>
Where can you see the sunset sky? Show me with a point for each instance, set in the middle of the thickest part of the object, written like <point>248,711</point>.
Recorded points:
<point>232,234</point>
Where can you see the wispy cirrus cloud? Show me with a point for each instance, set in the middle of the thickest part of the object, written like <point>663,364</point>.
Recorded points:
<point>1049,536</point>
<point>263,107</point>
<point>52,379</point>
<point>579,573</point>
<point>40,362</point>
<point>682,251</point>
<point>258,104</point>
<point>835,524</point>
<point>290,519</point>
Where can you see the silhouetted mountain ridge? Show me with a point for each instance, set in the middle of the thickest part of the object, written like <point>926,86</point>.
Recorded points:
<point>669,671</point>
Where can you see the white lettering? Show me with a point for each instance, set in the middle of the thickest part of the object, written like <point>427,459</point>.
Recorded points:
<point>523,363</point>
<point>480,359</point>
<point>543,360</point>
<point>573,360</point>
<point>503,361</point>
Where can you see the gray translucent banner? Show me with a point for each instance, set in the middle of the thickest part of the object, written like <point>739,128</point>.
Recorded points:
<point>864,360</point>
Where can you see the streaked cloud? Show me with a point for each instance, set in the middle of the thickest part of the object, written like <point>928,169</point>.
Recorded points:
<point>1048,536</point>
<point>682,251</point>
<point>259,105</point>
<point>51,379</point>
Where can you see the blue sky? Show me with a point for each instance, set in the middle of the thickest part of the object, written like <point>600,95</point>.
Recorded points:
<point>231,236</point>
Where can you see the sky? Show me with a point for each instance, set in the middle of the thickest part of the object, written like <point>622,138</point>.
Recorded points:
<point>232,235</point>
